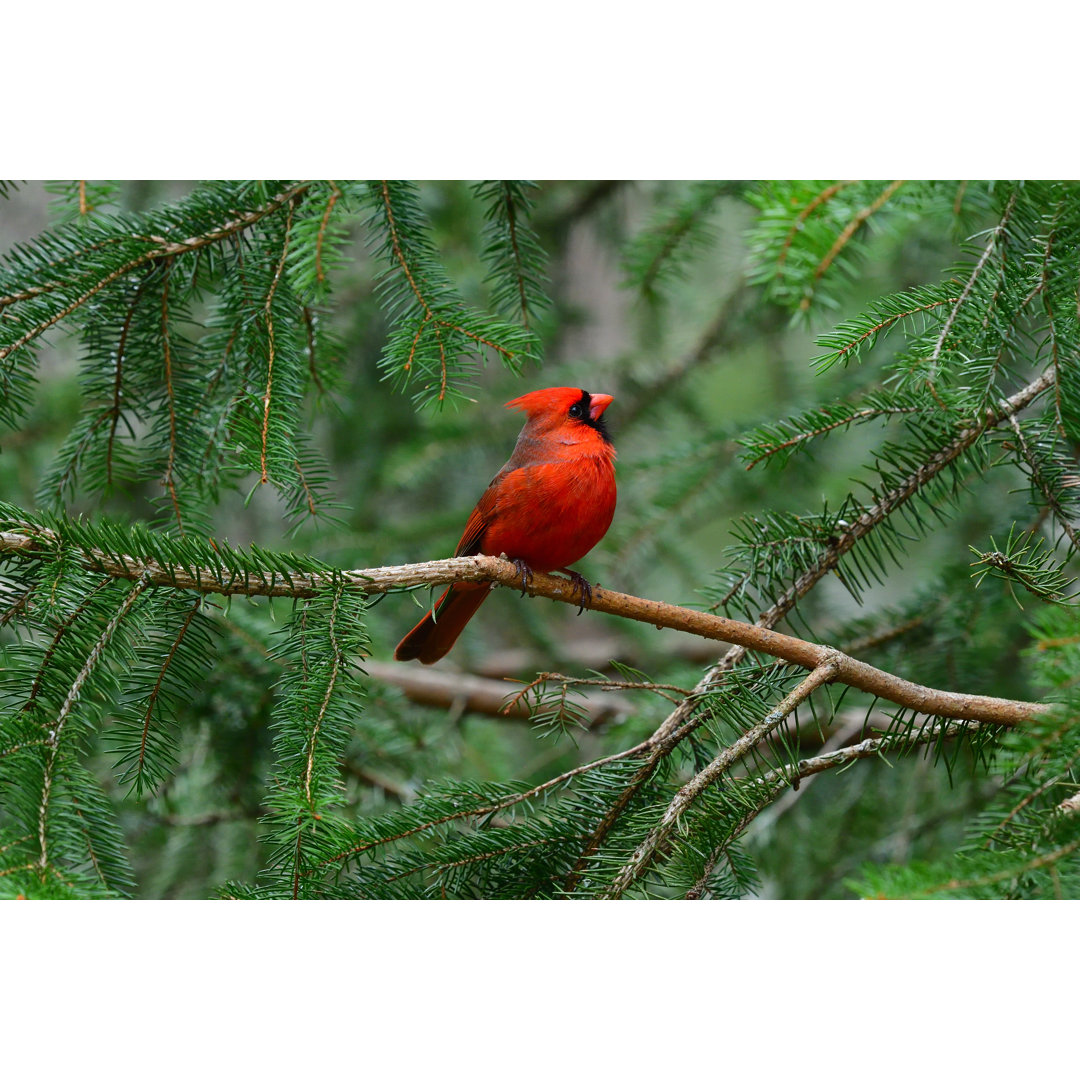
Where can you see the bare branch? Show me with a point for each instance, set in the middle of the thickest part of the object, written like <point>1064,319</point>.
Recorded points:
<point>36,540</point>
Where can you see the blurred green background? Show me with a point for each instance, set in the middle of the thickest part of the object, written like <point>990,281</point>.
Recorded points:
<point>691,363</point>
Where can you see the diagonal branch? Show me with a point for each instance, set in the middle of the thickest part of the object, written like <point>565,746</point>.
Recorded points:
<point>161,249</point>
<point>646,851</point>
<point>682,721</point>
<point>786,778</point>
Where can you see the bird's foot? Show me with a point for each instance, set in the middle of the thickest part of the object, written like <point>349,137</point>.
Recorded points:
<point>582,585</point>
<point>526,573</point>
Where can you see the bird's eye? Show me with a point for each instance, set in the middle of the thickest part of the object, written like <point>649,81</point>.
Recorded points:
<point>577,411</point>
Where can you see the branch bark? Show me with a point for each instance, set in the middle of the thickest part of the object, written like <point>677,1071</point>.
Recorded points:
<point>31,540</point>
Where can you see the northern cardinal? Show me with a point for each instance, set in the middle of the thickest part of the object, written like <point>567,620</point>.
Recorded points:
<point>549,505</point>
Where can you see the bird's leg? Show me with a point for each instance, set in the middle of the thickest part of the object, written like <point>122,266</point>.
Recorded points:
<point>526,573</point>
<point>581,584</point>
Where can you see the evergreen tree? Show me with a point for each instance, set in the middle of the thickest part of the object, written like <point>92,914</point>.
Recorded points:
<point>313,369</point>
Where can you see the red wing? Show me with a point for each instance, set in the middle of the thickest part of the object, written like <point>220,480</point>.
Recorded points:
<point>475,527</point>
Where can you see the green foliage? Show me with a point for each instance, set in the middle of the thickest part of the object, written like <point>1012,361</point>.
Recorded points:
<point>1023,844</point>
<point>438,343</point>
<point>666,246</point>
<point>512,250</point>
<point>232,358</point>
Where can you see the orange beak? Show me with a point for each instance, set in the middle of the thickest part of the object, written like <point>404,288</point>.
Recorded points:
<point>598,403</point>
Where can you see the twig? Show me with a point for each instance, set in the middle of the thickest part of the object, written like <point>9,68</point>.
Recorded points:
<point>647,849</point>
<point>335,194</point>
<point>784,777</point>
<point>154,694</point>
<point>1052,502</point>
<point>820,198</point>
<point>268,312</point>
<point>965,292</point>
<point>476,694</point>
<point>170,483</point>
<point>65,712</point>
<point>605,684</point>
<point>849,231</point>
<point>162,249</point>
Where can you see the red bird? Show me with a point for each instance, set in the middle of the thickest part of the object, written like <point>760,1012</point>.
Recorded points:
<point>550,504</point>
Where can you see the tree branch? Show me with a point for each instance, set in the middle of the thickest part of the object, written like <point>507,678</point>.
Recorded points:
<point>785,777</point>
<point>682,721</point>
<point>32,540</point>
<point>646,850</point>
<point>164,249</point>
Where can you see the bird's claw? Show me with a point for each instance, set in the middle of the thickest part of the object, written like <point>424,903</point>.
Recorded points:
<point>526,573</point>
<point>583,587</point>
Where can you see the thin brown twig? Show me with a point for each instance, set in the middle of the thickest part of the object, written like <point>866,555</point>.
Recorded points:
<point>118,382</point>
<point>1049,308</point>
<point>154,694</point>
<point>849,231</point>
<point>269,316</point>
<point>65,711</point>
<point>309,327</point>
<point>1031,796</point>
<point>169,480</point>
<point>1052,502</point>
<point>818,200</point>
<point>1036,863</point>
<point>61,630</point>
<point>307,490</point>
<point>335,671</point>
<point>335,194</point>
<point>491,808</point>
<point>161,249</point>
<point>429,313</point>
<point>861,414</point>
<point>665,690</point>
<point>688,793</point>
<point>995,233</point>
<point>958,202</point>
<point>886,323</point>
<point>511,221</point>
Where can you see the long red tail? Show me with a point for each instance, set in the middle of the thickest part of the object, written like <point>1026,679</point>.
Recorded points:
<point>432,638</point>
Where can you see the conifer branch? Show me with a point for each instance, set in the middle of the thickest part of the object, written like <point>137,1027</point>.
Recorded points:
<point>477,694</point>
<point>268,315</point>
<point>665,690</point>
<point>682,721</point>
<point>823,429</point>
<point>73,694</point>
<point>1053,503</point>
<point>647,849</point>
<point>335,194</point>
<point>170,482</point>
<point>118,382</point>
<point>335,669</point>
<point>494,807</point>
<point>163,249</point>
<point>61,630</point>
<point>811,206</point>
<point>970,284</point>
<point>848,232</point>
<point>32,540</point>
<point>151,701</point>
<point>776,781</point>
